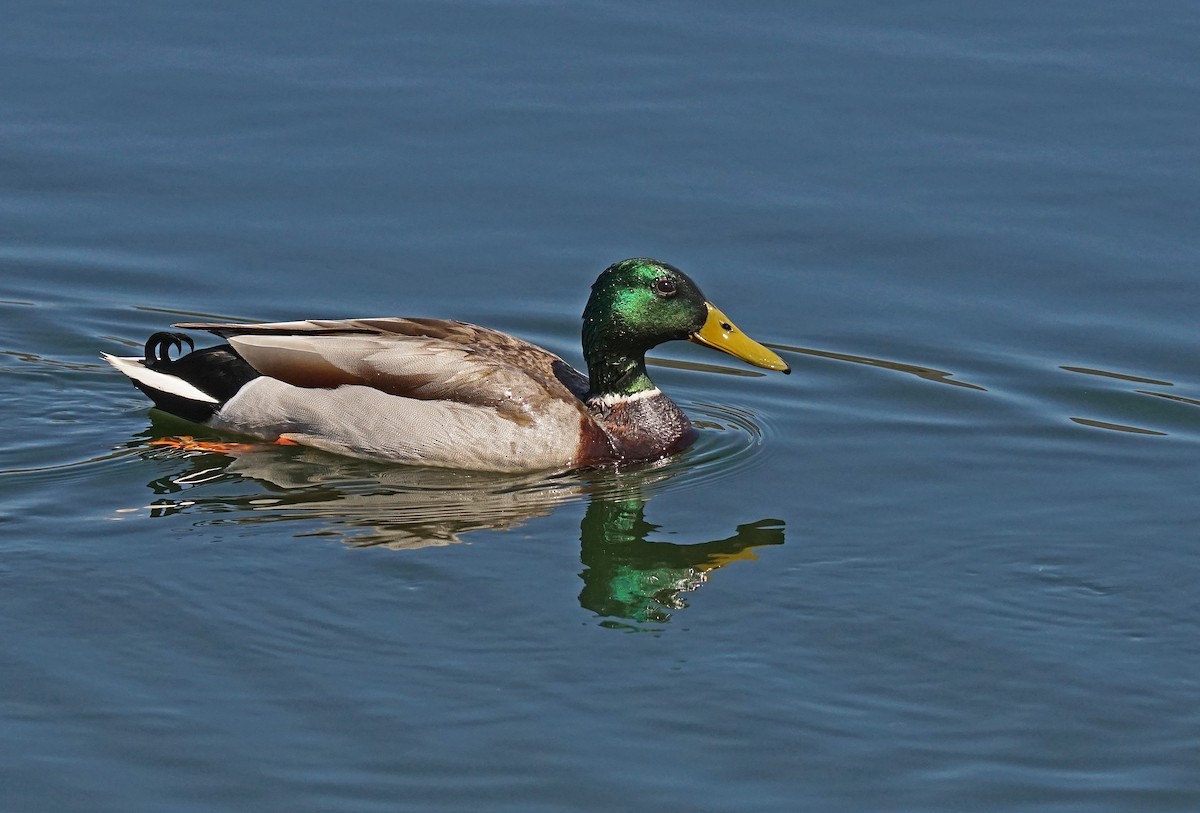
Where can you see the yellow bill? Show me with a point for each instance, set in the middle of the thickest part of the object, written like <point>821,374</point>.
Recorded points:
<point>721,334</point>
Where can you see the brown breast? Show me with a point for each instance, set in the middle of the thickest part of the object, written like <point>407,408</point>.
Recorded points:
<point>644,427</point>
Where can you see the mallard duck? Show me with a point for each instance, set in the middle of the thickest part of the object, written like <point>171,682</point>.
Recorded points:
<point>444,393</point>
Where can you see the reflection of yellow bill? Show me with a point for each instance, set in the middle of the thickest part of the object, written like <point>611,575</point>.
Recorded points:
<point>721,334</point>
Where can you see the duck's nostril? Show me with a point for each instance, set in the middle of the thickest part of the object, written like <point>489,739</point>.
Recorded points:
<point>725,326</point>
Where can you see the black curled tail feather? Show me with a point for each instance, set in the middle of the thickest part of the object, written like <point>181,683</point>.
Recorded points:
<point>216,371</point>
<point>158,347</point>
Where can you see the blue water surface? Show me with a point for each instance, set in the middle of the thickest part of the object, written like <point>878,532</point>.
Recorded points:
<point>949,564</point>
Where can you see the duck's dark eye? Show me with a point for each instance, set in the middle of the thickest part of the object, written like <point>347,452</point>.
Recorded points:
<point>665,286</point>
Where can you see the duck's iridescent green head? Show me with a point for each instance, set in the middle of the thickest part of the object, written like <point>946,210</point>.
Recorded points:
<point>639,303</point>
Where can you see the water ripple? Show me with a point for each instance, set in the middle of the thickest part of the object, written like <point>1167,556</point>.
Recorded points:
<point>1116,427</point>
<point>926,373</point>
<point>1109,374</point>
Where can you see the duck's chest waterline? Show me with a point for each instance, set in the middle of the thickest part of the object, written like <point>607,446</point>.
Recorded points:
<point>644,426</point>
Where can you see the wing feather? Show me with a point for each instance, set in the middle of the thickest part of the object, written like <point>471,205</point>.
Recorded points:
<point>425,359</point>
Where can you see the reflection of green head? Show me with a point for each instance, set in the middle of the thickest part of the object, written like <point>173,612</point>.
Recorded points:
<point>635,305</point>
<point>616,584</point>
<point>632,578</point>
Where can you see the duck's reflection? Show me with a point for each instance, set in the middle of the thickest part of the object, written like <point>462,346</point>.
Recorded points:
<point>625,575</point>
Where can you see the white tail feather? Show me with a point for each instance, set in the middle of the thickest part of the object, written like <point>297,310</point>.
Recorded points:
<point>163,382</point>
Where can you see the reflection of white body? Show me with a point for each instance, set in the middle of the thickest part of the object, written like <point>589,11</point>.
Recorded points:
<point>400,506</point>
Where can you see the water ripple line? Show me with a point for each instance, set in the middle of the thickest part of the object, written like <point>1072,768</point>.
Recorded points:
<point>1121,376</point>
<point>922,372</point>
<point>1117,427</point>
<point>1179,399</point>
<point>73,464</point>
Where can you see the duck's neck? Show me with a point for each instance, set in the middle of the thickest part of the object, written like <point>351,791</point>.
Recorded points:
<point>615,369</point>
<point>641,425</point>
<point>614,378</point>
<point>641,422</point>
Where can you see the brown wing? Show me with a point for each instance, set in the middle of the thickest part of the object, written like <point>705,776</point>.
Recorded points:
<point>426,359</point>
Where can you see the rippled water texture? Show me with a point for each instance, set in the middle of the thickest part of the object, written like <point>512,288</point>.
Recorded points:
<point>949,564</point>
